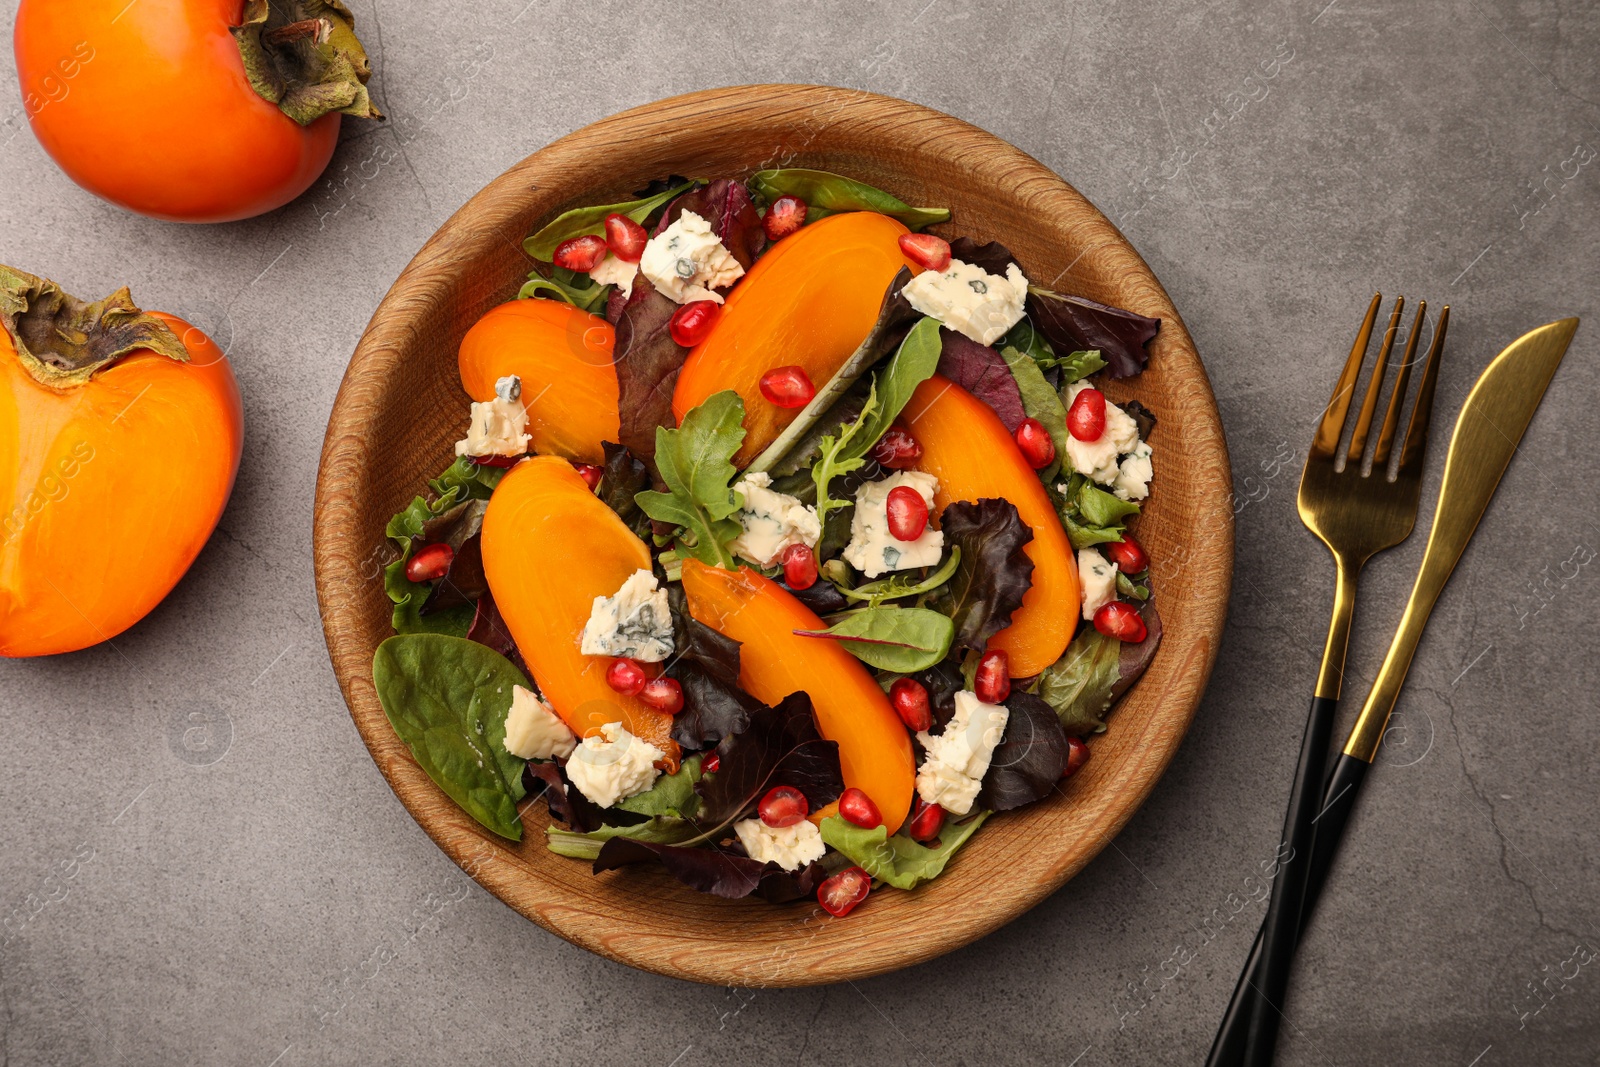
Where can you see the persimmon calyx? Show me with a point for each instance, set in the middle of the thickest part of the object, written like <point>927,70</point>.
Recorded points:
<point>304,56</point>
<point>62,341</point>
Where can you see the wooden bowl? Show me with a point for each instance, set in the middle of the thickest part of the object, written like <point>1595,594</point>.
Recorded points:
<point>401,406</point>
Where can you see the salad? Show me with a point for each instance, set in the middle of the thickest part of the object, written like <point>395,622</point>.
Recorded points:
<point>786,542</point>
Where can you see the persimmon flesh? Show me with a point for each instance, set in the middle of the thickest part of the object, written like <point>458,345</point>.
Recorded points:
<point>111,489</point>
<point>808,303</point>
<point>563,356</point>
<point>550,546</point>
<point>966,446</point>
<point>851,709</point>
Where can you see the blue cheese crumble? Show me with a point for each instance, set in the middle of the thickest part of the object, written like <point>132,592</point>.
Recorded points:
<point>970,300</point>
<point>534,730</point>
<point>958,758</point>
<point>613,765</point>
<point>1099,460</point>
<point>873,550</point>
<point>1097,580</point>
<point>617,272</point>
<point>686,262</point>
<point>635,622</point>
<point>771,521</point>
<point>499,426</point>
<point>790,847</point>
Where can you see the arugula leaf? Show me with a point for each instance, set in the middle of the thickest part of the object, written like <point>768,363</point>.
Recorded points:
<point>995,571</point>
<point>1064,498</point>
<point>1028,761</point>
<point>1073,323</point>
<point>781,746</point>
<point>447,699</point>
<point>898,586</point>
<point>696,462</point>
<point>579,290</point>
<point>826,193</point>
<point>913,363</point>
<point>581,221</point>
<point>891,638</point>
<point>586,846</point>
<point>895,316</point>
<point>1093,672</point>
<point>1100,508</point>
<point>673,794</point>
<point>1076,366</point>
<point>1041,402</point>
<point>983,372</point>
<point>898,860</point>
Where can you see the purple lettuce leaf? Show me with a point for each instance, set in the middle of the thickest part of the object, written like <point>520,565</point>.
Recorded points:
<point>727,206</point>
<point>565,803</point>
<point>489,628</point>
<point>983,372</point>
<point>1028,761</point>
<point>648,362</point>
<point>713,870</point>
<point>1074,323</point>
<point>463,583</point>
<point>706,664</point>
<point>993,257</point>
<point>994,573</point>
<point>622,478</point>
<point>780,746</point>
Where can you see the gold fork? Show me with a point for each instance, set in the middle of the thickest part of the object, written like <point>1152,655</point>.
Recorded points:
<point>1357,509</point>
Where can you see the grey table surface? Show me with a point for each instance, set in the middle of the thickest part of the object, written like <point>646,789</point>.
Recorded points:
<point>202,865</point>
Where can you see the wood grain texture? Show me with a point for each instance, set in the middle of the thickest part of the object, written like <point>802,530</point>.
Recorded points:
<point>400,407</point>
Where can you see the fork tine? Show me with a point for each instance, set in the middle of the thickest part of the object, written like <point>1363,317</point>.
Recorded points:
<point>1326,442</point>
<point>1417,432</point>
<point>1391,417</point>
<point>1369,403</point>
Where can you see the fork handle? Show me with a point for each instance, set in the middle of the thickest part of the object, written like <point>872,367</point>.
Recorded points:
<point>1269,968</point>
<point>1339,799</point>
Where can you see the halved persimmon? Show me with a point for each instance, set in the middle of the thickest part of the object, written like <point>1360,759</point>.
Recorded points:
<point>563,356</point>
<point>874,748</point>
<point>807,303</point>
<point>966,446</point>
<point>550,546</point>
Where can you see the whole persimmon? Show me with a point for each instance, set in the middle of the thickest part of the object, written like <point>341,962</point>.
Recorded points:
<point>120,435</point>
<point>191,110</point>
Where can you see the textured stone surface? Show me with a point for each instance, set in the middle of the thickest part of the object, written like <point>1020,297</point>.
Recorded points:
<point>202,865</point>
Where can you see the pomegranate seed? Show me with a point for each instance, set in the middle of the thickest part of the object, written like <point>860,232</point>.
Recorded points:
<point>784,805</point>
<point>590,474</point>
<point>1077,756</point>
<point>1128,555</point>
<point>663,694</point>
<point>907,512</point>
<point>858,808</point>
<point>788,387</point>
<point>430,562</point>
<point>712,763</point>
<point>1121,621</point>
<point>495,461</point>
<point>926,250</point>
<point>799,566</point>
<point>926,821</point>
<point>626,677</point>
<point>786,215</point>
<point>691,323</point>
<point>992,681</point>
<point>840,893</point>
<point>897,450</point>
<point>1086,418</point>
<point>625,238</point>
<point>1034,441</point>
<point>910,700</point>
<point>581,254</point>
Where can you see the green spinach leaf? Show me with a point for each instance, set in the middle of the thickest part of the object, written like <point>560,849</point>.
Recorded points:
<point>696,462</point>
<point>447,699</point>
<point>898,860</point>
<point>892,639</point>
<point>898,586</point>
<point>826,193</point>
<point>673,794</point>
<point>581,221</point>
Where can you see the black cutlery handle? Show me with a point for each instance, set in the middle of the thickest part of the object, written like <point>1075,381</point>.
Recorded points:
<point>1340,793</point>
